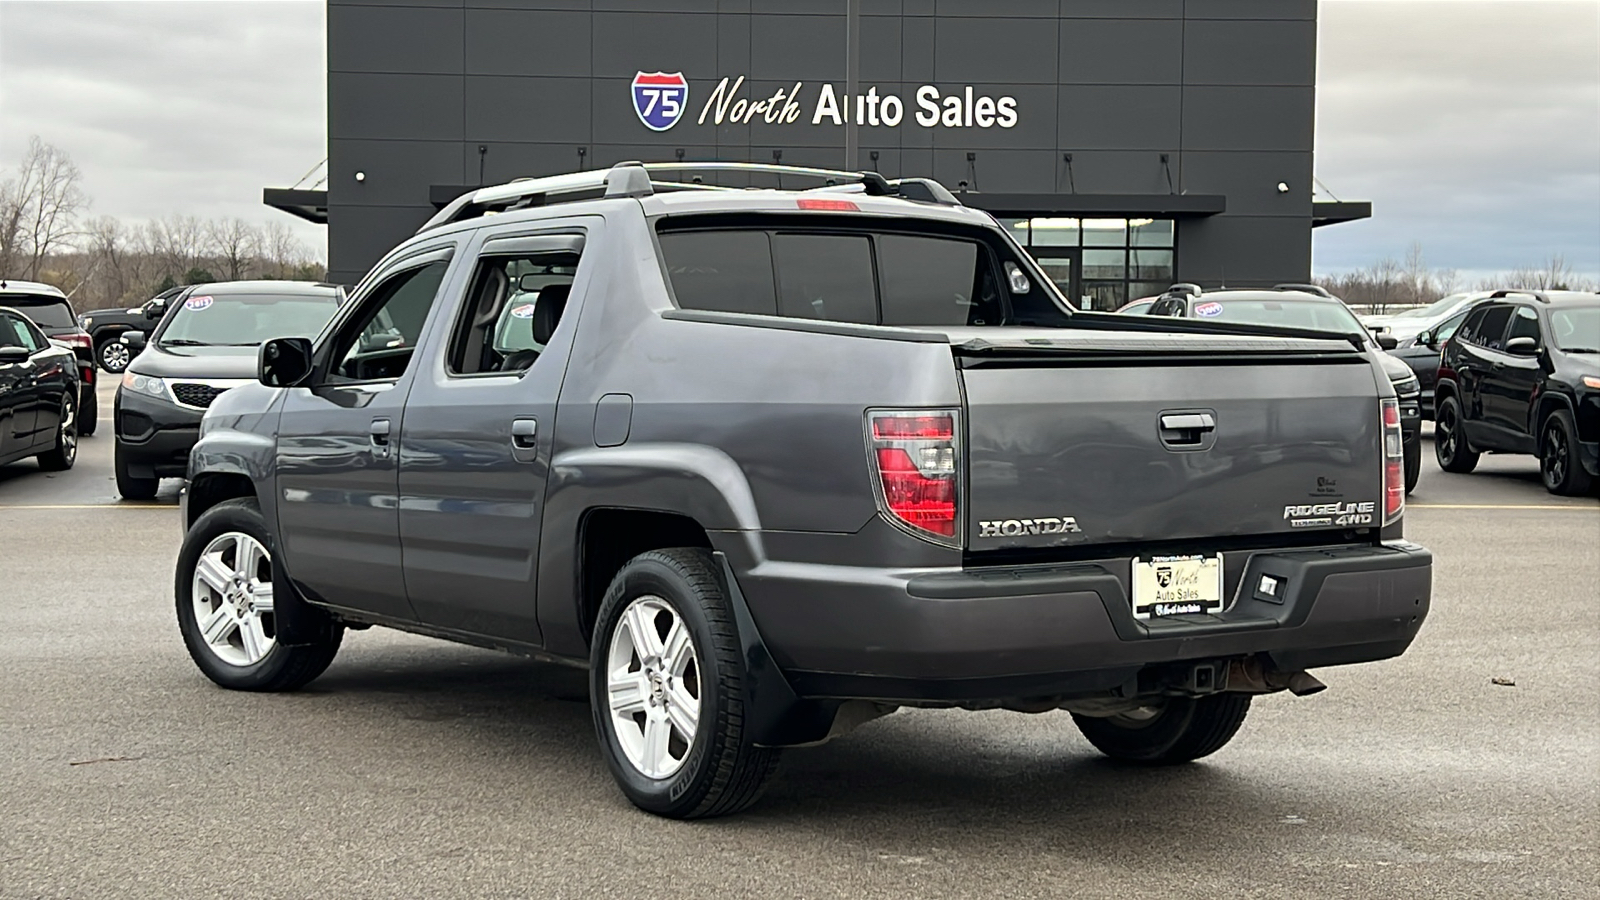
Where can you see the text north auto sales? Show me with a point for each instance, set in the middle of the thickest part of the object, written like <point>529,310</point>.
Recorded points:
<point>661,99</point>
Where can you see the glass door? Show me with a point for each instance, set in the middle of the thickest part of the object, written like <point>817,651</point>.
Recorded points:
<point>1063,267</point>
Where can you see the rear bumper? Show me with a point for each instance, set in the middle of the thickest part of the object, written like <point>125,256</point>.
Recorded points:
<point>973,634</point>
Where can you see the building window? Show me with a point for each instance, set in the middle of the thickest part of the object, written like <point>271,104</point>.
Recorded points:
<point>1101,264</point>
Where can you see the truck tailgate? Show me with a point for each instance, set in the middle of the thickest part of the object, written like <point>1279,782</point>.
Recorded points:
<point>1142,438</point>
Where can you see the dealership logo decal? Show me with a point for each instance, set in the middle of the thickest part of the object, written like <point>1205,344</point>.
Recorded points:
<point>659,98</point>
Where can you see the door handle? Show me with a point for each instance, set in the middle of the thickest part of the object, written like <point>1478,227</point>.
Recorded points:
<point>524,432</point>
<point>379,432</point>
<point>1189,422</point>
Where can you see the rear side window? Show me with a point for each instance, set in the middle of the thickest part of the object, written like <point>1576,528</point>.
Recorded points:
<point>876,279</point>
<point>1491,329</point>
<point>46,312</point>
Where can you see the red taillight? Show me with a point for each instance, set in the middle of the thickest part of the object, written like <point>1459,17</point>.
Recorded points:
<point>916,468</point>
<point>1394,468</point>
<point>817,203</point>
<point>79,339</point>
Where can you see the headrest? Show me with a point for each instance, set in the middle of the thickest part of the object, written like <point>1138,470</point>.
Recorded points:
<point>547,311</point>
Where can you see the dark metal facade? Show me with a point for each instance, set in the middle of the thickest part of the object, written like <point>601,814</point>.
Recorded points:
<point>1168,108</point>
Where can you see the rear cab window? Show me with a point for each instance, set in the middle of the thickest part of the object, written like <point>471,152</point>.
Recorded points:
<point>865,273</point>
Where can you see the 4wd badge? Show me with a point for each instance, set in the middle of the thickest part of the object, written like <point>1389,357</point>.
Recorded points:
<point>659,98</point>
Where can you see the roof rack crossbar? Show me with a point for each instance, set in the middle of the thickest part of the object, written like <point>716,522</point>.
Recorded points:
<point>1540,296</point>
<point>634,179</point>
<point>1317,289</point>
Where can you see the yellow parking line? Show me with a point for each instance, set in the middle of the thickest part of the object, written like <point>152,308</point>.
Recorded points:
<point>1496,506</point>
<point>94,506</point>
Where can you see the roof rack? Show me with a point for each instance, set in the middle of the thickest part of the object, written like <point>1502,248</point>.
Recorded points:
<point>635,179</point>
<point>1540,296</point>
<point>1183,289</point>
<point>1317,289</point>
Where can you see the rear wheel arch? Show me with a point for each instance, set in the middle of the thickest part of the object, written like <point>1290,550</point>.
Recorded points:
<point>608,537</point>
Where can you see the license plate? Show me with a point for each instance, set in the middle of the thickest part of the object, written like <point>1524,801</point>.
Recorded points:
<point>1176,586</point>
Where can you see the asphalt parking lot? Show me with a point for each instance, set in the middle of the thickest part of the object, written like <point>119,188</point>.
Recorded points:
<point>417,768</point>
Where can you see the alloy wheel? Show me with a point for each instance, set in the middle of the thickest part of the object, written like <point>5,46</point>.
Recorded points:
<point>68,438</point>
<point>233,599</point>
<point>1446,432</point>
<point>114,356</point>
<point>1555,458</point>
<point>653,687</point>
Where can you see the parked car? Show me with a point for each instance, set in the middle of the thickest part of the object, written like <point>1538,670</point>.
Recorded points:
<point>1522,375</point>
<point>38,395</point>
<point>204,345</point>
<point>1138,307</point>
<point>1409,324</point>
<point>1296,306</point>
<point>49,309</point>
<point>106,327</point>
<point>772,463</point>
<point>1421,353</point>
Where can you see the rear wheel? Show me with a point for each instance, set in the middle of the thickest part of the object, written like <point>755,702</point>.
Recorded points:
<point>225,605</point>
<point>113,355</point>
<point>132,487</point>
<point>1559,464</point>
<point>1450,440</point>
<point>1170,730</point>
<point>667,683</point>
<point>88,411</point>
<point>64,452</point>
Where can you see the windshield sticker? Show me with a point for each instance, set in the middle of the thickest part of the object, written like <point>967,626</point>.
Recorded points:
<point>525,311</point>
<point>197,303</point>
<point>1208,309</point>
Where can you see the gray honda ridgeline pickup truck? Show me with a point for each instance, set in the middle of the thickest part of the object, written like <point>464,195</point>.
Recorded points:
<point>773,463</point>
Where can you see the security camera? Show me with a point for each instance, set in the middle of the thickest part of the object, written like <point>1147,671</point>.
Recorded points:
<point>362,176</point>
<point>1283,187</point>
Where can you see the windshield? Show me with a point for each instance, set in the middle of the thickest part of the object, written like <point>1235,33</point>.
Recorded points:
<point>1318,315</point>
<point>244,320</point>
<point>1577,329</point>
<point>46,312</point>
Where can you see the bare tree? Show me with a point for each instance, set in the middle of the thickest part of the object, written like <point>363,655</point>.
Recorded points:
<point>282,251</point>
<point>38,209</point>
<point>179,243</point>
<point>1415,280</point>
<point>236,244</point>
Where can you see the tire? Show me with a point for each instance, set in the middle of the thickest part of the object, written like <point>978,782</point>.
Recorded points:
<point>1413,463</point>
<point>1560,465</point>
<point>64,452</point>
<point>88,411</point>
<point>1179,730</point>
<point>129,486</point>
<point>118,351</point>
<point>1450,445</point>
<point>677,596</point>
<point>224,616</point>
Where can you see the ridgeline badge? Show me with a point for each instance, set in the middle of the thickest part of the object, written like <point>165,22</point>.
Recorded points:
<point>659,98</point>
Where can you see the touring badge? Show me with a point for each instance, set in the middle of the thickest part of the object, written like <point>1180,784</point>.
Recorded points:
<point>659,98</point>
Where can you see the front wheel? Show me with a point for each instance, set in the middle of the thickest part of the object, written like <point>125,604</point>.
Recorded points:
<point>1559,463</point>
<point>1450,439</point>
<point>114,355</point>
<point>64,452</point>
<point>1170,730</point>
<point>666,687</point>
<point>225,605</point>
<point>88,411</point>
<point>130,486</point>
<point>1413,463</point>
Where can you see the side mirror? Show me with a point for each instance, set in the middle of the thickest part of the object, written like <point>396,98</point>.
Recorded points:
<point>1386,341</point>
<point>1428,339</point>
<point>154,309</point>
<point>136,340</point>
<point>14,354</point>
<point>284,362</point>
<point>1522,346</point>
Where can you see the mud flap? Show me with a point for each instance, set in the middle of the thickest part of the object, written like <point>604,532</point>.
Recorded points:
<point>774,714</point>
<point>296,621</point>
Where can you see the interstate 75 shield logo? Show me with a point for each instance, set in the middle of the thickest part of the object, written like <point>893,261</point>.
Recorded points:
<point>659,98</point>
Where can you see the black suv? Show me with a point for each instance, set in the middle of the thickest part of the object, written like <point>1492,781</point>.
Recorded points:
<point>1310,307</point>
<point>107,326</point>
<point>1522,375</point>
<point>205,344</point>
<point>51,311</point>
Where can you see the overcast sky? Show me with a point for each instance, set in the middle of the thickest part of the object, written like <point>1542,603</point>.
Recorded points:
<point>1474,127</point>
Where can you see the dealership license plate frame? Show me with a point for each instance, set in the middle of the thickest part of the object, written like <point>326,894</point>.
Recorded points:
<point>1198,573</point>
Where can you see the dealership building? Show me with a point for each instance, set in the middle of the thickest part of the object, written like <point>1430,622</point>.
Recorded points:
<point>1127,143</point>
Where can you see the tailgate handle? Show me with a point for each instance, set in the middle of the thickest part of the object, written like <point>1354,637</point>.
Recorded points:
<point>1191,431</point>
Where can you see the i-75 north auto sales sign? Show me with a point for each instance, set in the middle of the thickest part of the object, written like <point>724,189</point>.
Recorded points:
<point>660,99</point>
